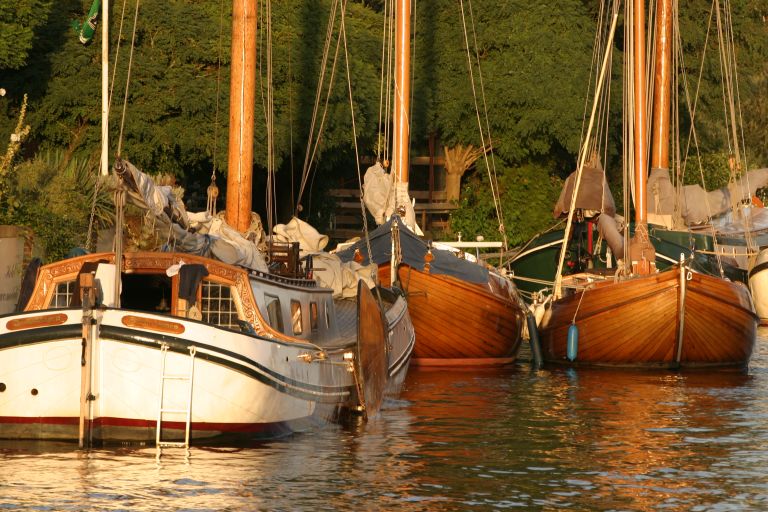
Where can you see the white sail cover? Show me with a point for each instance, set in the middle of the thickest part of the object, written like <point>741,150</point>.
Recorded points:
<point>382,196</point>
<point>698,206</point>
<point>377,188</point>
<point>328,269</point>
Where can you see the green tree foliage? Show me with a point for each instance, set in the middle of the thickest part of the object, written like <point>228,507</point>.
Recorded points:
<point>518,186</point>
<point>54,196</point>
<point>535,60</point>
<point>178,97</point>
<point>535,63</point>
<point>750,38</point>
<point>19,20</point>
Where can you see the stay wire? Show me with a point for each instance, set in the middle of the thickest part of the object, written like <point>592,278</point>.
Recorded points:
<point>343,34</point>
<point>485,148</point>
<point>313,144</point>
<point>128,79</point>
<point>218,93</point>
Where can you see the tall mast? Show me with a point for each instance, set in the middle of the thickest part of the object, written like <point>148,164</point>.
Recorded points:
<point>401,127</point>
<point>104,87</point>
<point>241,114</point>
<point>661,87</point>
<point>640,123</point>
<point>642,254</point>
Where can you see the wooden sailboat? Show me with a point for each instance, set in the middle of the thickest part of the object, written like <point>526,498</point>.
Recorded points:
<point>174,348</point>
<point>463,314</point>
<point>720,239</point>
<point>675,318</point>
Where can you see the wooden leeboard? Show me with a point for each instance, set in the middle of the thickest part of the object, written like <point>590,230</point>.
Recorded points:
<point>371,361</point>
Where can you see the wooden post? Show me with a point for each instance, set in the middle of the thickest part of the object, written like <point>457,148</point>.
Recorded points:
<point>88,296</point>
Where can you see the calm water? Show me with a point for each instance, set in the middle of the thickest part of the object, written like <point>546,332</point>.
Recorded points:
<point>552,440</point>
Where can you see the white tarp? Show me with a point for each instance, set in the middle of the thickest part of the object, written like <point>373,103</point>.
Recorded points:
<point>202,234</point>
<point>296,230</point>
<point>697,206</point>
<point>382,196</point>
<point>329,271</point>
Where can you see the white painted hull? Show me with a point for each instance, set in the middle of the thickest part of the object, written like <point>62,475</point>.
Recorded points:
<point>758,285</point>
<point>243,387</point>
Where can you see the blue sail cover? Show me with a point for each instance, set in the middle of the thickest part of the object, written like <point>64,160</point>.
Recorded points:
<point>413,249</point>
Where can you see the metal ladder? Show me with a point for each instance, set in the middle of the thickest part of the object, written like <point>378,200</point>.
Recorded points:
<point>162,409</point>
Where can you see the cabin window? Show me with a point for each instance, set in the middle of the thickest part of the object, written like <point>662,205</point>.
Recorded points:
<point>296,317</point>
<point>313,316</point>
<point>62,294</point>
<point>219,306</point>
<point>273,311</point>
<point>327,315</point>
<point>146,292</point>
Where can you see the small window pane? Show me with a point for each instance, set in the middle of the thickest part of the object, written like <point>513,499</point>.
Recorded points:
<point>296,317</point>
<point>62,295</point>
<point>327,315</point>
<point>313,316</point>
<point>273,310</point>
<point>219,306</point>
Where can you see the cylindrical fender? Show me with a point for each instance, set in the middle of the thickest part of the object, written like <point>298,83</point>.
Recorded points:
<point>572,349</point>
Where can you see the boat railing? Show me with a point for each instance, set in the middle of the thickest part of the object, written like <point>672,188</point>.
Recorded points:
<point>293,281</point>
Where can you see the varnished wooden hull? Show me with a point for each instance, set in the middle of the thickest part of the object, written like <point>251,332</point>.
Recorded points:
<point>638,323</point>
<point>459,323</point>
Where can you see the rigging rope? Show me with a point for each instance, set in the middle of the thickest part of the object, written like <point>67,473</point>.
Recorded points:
<point>128,78</point>
<point>213,190</point>
<point>383,85</point>
<point>490,167</point>
<point>271,182</point>
<point>580,168</point>
<point>343,34</point>
<point>97,186</point>
<point>313,145</point>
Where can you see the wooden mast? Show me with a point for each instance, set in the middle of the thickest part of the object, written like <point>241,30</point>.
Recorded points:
<point>641,252</point>
<point>661,91</point>
<point>401,127</point>
<point>104,87</point>
<point>241,114</point>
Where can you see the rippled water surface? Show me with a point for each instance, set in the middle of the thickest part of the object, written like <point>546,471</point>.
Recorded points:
<point>480,440</point>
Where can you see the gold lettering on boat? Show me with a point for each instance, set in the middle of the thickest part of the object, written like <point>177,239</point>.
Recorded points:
<point>152,324</point>
<point>36,321</point>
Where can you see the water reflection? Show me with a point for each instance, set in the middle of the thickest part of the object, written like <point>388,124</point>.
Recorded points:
<point>549,440</point>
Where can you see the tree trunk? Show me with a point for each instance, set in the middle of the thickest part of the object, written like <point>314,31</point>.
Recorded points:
<point>457,160</point>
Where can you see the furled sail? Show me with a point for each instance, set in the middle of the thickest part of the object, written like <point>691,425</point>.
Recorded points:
<point>594,196</point>
<point>698,206</point>
<point>200,233</point>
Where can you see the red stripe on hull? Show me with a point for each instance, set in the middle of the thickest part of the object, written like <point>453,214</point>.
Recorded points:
<point>106,430</point>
